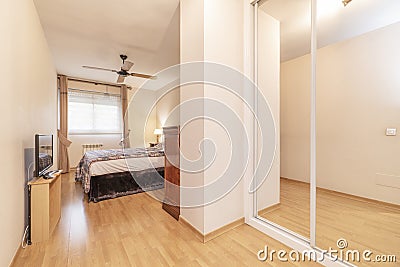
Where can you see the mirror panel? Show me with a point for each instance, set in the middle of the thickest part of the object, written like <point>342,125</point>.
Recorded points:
<point>284,34</point>
<point>358,99</point>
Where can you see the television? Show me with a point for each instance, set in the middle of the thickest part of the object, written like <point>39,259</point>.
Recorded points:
<point>43,154</point>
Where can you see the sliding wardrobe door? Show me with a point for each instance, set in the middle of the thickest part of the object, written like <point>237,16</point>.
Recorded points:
<point>358,139</point>
<point>283,38</point>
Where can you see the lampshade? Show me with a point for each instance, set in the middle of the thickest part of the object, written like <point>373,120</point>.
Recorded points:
<point>158,131</point>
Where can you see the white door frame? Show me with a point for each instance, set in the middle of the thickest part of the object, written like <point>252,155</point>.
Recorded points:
<point>273,230</point>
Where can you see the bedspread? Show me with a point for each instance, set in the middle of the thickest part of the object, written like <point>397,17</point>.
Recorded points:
<point>83,170</point>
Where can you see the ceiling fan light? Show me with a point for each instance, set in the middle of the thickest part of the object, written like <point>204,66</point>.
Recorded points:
<point>123,73</point>
<point>346,2</point>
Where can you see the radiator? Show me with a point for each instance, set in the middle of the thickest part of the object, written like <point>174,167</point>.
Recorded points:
<point>89,147</point>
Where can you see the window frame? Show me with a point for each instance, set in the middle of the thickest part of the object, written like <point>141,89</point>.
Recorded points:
<point>93,131</point>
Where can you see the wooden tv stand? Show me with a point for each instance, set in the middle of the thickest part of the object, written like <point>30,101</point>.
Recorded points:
<point>45,207</point>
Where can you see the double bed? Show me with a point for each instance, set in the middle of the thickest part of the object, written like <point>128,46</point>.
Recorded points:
<point>112,173</point>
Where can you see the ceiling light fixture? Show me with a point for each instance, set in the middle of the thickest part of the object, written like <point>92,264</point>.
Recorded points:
<point>345,2</point>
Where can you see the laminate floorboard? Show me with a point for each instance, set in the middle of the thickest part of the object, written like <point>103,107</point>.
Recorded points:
<point>135,231</point>
<point>365,224</point>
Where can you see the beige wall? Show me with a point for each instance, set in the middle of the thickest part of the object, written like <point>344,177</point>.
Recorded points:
<point>358,97</point>
<point>29,89</point>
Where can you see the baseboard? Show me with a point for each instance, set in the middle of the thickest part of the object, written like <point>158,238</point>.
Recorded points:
<point>270,208</point>
<point>223,230</point>
<point>294,180</point>
<point>204,238</point>
<point>194,230</point>
<point>362,199</point>
<point>350,196</point>
<point>15,255</point>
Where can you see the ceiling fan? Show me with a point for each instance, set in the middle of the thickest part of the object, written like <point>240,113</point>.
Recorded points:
<point>124,72</point>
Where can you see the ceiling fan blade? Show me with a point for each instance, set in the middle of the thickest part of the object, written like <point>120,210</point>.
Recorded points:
<point>143,75</point>
<point>97,68</point>
<point>121,79</point>
<point>127,65</point>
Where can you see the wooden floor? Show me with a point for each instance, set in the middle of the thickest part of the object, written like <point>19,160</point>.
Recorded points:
<point>135,231</point>
<point>364,224</point>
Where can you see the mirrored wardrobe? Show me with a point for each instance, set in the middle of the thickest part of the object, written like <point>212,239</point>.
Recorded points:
<point>330,72</point>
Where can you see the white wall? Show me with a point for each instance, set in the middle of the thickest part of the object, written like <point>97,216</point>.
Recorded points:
<point>109,141</point>
<point>223,18</point>
<point>169,50</point>
<point>138,118</point>
<point>168,56</point>
<point>217,35</point>
<point>202,25</point>
<point>165,106</point>
<point>269,85</point>
<point>358,97</point>
<point>192,49</point>
<point>29,89</point>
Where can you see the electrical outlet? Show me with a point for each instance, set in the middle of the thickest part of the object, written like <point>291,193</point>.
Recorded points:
<point>391,132</point>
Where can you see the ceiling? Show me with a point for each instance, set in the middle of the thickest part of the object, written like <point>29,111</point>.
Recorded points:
<point>334,21</point>
<point>96,32</point>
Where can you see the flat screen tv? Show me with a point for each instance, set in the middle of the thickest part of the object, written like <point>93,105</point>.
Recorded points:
<point>43,154</point>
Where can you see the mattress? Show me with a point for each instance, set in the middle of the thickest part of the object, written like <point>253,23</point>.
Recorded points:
<point>125,165</point>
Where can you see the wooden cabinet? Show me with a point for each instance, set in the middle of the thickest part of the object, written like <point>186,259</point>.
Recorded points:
<point>172,171</point>
<point>45,207</point>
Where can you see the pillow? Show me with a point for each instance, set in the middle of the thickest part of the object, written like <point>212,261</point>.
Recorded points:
<point>159,146</point>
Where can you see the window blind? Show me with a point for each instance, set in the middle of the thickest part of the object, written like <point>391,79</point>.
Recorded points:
<point>93,113</point>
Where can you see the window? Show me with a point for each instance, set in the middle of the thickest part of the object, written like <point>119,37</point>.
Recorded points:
<point>93,113</point>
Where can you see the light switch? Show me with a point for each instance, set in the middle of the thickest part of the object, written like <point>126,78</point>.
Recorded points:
<point>391,132</point>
